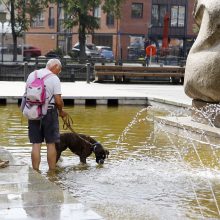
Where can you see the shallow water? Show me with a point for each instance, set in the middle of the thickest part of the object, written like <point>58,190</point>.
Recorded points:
<point>149,174</point>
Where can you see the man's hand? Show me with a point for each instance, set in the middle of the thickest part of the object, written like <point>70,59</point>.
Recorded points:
<point>63,114</point>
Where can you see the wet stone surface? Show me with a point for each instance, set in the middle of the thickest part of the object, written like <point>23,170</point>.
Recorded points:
<point>25,194</point>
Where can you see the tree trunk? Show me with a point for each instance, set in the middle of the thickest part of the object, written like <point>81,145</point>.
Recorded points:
<point>82,41</point>
<point>14,34</point>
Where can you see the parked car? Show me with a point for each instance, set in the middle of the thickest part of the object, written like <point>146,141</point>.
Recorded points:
<point>106,52</point>
<point>29,51</point>
<point>135,53</point>
<point>90,49</point>
<point>53,54</point>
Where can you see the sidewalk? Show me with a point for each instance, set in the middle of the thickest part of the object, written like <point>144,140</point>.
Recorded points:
<point>124,93</point>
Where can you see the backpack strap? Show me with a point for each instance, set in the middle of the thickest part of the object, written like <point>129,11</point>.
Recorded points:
<point>35,77</point>
<point>44,77</point>
<point>35,74</point>
<point>52,104</point>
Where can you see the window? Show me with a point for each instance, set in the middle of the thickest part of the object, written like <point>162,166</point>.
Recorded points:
<point>97,12</point>
<point>110,19</point>
<point>61,13</point>
<point>51,17</point>
<point>158,14</point>
<point>177,16</point>
<point>38,21</point>
<point>61,16</point>
<point>137,10</point>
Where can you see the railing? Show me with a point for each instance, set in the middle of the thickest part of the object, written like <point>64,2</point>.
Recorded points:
<point>73,69</point>
<point>70,72</point>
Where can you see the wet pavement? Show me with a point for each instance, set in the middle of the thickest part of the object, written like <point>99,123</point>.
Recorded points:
<point>26,195</point>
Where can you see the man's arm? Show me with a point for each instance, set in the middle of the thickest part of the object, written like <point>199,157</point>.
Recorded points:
<point>59,104</point>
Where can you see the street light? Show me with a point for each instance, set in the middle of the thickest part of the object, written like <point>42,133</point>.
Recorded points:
<point>2,20</point>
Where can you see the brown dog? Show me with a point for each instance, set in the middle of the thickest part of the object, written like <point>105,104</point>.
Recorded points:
<point>82,145</point>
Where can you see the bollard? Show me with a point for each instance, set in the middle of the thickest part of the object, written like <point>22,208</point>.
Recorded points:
<point>25,71</point>
<point>88,72</point>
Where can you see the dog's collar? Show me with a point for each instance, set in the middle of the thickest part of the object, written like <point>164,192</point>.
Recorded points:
<point>93,147</point>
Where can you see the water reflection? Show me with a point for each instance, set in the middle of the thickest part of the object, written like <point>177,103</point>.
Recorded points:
<point>149,174</point>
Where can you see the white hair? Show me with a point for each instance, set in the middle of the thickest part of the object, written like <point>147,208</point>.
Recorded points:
<point>53,62</point>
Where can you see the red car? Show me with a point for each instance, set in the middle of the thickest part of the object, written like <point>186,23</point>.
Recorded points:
<point>30,51</point>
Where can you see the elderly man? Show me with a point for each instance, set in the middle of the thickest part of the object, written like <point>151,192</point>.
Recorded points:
<point>47,128</point>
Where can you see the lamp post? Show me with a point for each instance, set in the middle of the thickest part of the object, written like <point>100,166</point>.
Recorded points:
<point>118,44</point>
<point>2,20</point>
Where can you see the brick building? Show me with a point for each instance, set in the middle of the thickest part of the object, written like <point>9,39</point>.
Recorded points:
<point>140,19</point>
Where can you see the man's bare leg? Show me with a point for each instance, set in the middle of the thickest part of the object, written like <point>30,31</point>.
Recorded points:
<point>36,155</point>
<point>51,156</point>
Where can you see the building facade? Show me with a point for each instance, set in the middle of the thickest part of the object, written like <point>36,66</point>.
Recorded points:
<point>140,20</point>
<point>180,23</point>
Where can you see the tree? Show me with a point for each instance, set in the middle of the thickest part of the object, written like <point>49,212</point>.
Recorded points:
<point>113,7</point>
<point>22,13</point>
<point>80,13</point>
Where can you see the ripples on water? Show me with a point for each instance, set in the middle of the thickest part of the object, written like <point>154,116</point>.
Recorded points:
<point>148,175</point>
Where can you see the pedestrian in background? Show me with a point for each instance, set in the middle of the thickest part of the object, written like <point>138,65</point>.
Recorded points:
<point>146,44</point>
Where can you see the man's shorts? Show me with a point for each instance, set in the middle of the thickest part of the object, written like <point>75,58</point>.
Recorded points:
<point>46,129</point>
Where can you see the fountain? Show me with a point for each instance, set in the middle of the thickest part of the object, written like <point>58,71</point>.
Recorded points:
<point>151,173</point>
<point>202,84</point>
<point>202,76</point>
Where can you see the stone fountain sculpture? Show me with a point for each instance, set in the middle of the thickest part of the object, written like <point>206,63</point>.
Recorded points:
<point>202,72</point>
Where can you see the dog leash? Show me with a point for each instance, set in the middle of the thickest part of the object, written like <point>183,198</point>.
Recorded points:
<point>67,124</point>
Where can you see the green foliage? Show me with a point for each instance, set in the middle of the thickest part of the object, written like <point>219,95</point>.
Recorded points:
<point>80,13</point>
<point>73,55</point>
<point>58,51</point>
<point>113,7</point>
<point>23,12</point>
